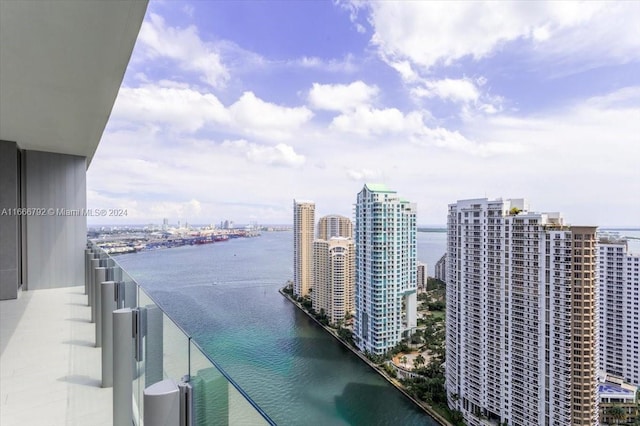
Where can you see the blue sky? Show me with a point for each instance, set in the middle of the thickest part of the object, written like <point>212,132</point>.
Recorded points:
<point>231,109</point>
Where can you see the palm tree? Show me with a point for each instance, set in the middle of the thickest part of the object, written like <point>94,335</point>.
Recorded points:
<point>617,413</point>
<point>404,360</point>
<point>418,361</point>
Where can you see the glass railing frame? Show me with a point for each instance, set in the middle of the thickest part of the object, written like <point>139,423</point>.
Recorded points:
<point>112,262</point>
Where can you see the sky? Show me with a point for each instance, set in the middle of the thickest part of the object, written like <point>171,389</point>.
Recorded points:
<point>230,110</point>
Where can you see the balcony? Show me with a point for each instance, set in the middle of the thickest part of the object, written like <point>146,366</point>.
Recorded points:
<point>51,368</point>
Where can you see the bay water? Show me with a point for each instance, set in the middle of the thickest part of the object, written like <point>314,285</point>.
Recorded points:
<point>226,296</point>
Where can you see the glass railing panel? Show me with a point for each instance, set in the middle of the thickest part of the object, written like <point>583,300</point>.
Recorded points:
<point>167,352</point>
<point>216,399</point>
<point>164,352</point>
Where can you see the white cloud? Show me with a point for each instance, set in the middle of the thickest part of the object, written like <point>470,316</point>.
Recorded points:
<point>344,65</point>
<point>256,117</point>
<point>279,155</point>
<point>189,10</point>
<point>455,141</point>
<point>184,46</point>
<point>181,108</point>
<point>376,123</point>
<point>456,90</point>
<point>363,174</point>
<point>367,121</point>
<point>405,70</point>
<point>431,33</point>
<point>341,97</point>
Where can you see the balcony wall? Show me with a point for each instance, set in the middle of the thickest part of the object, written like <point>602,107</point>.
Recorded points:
<point>55,242</point>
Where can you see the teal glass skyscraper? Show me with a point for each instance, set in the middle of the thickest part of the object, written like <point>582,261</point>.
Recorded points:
<point>386,264</point>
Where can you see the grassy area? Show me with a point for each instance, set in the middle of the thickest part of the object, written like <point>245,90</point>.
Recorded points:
<point>437,314</point>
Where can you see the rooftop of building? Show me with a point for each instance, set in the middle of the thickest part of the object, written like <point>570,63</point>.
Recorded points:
<point>378,187</point>
<point>614,390</point>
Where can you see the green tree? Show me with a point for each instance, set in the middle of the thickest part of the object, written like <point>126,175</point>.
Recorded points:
<point>403,360</point>
<point>617,413</point>
<point>418,361</point>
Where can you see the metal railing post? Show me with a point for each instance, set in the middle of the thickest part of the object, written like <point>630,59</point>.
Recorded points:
<point>99,276</point>
<point>108,306</point>
<point>88,255</point>
<point>122,367</point>
<point>153,345</point>
<point>169,404</point>
<point>162,404</point>
<point>95,263</point>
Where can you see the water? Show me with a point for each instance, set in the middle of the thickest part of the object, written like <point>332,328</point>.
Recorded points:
<point>226,296</point>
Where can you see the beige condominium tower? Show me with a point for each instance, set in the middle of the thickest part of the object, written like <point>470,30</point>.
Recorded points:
<point>303,226</point>
<point>334,268</point>
<point>521,318</point>
<point>333,277</point>
<point>334,226</point>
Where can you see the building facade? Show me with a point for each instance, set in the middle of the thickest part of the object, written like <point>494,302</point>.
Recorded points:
<point>303,224</point>
<point>521,319</point>
<point>441,268</point>
<point>386,264</point>
<point>334,226</point>
<point>421,277</point>
<point>333,277</point>
<point>619,282</point>
<point>618,401</point>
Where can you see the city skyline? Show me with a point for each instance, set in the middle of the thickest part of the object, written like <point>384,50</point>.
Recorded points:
<point>225,111</point>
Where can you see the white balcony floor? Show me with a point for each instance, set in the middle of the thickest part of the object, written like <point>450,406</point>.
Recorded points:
<point>50,369</point>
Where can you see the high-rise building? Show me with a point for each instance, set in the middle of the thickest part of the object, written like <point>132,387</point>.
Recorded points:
<point>421,277</point>
<point>385,238</point>
<point>619,294</point>
<point>441,268</point>
<point>334,226</point>
<point>333,277</point>
<point>521,321</point>
<point>303,224</point>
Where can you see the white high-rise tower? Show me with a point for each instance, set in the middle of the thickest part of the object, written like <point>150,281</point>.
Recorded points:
<point>521,318</point>
<point>386,264</point>
<point>619,282</point>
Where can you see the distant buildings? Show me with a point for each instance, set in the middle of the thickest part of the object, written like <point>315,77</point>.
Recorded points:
<point>421,277</point>
<point>521,324</point>
<point>334,226</point>
<point>619,296</point>
<point>333,277</point>
<point>386,264</point>
<point>441,268</point>
<point>303,224</point>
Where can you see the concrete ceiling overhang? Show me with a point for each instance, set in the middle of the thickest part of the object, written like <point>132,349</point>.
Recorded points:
<point>61,65</point>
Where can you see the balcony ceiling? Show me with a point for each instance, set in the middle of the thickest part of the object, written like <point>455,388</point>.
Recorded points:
<point>61,65</point>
